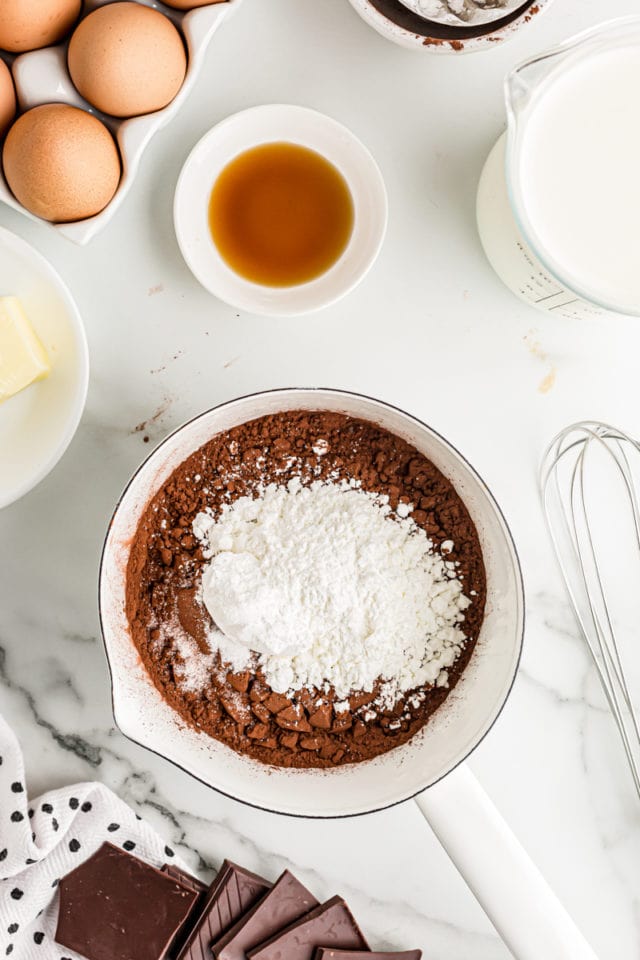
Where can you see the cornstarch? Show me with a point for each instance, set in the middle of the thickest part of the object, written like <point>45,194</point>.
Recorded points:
<point>324,585</point>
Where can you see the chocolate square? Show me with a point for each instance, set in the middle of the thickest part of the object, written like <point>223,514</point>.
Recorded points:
<point>115,907</point>
<point>189,882</point>
<point>233,892</point>
<point>287,901</point>
<point>330,925</point>
<point>186,879</point>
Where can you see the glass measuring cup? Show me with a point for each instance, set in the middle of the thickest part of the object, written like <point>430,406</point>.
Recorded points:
<point>554,236</point>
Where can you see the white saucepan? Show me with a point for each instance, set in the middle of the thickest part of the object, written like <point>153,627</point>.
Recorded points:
<point>515,896</point>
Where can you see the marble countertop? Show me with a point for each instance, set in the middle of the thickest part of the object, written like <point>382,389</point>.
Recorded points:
<point>432,330</point>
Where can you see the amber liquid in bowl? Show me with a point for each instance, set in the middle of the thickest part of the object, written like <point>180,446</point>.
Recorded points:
<point>280,214</point>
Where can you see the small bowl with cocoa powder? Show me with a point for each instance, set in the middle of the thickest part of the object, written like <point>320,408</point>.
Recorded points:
<point>395,21</point>
<point>309,601</point>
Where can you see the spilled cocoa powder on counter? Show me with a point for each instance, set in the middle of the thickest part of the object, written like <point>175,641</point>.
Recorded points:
<point>169,622</point>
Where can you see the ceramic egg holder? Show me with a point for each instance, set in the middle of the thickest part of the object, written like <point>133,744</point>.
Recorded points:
<point>42,77</point>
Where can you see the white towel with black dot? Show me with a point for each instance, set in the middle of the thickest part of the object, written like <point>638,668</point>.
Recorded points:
<point>42,840</point>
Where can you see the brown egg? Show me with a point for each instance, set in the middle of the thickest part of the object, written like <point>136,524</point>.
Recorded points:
<point>127,59</point>
<point>31,24</point>
<point>7,98</point>
<point>189,4</point>
<point>61,163</point>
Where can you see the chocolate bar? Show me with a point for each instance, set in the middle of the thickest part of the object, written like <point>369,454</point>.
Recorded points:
<point>189,882</point>
<point>287,901</point>
<point>186,879</point>
<point>233,892</point>
<point>114,907</point>
<point>330,924</point>
<point>326,953</point>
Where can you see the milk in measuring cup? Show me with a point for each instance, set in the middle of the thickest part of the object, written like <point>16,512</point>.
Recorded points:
<point>559,198</point>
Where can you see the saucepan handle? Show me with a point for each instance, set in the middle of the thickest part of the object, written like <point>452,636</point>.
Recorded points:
<point>509,887</point>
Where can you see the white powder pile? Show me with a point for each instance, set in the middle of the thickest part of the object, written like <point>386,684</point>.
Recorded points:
<point>463,12</point>
<point>327,587</point>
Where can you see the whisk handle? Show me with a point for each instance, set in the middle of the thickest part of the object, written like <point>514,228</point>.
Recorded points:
<point>509,887</point>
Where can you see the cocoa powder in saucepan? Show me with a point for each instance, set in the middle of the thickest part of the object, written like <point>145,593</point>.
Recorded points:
<point>165,568</point>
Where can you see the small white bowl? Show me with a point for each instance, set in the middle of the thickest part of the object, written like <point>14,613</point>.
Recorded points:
<point>406,28</point>
<point>268,124</point>
<point>37,425</point>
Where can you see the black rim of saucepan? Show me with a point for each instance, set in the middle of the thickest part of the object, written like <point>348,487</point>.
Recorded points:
<point>431,30</point>
<point>492,500</point>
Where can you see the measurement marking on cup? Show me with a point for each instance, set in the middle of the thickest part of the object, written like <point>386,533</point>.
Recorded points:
<point>559,306</point>
<point>549,296</point>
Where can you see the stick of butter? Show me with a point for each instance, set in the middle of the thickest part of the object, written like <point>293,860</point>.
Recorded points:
<point>22,357</point>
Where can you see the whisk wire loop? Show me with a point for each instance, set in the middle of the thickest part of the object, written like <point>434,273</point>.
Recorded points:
<point>568,511</point>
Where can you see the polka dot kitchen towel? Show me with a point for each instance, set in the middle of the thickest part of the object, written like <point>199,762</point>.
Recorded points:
<point>41,840</point>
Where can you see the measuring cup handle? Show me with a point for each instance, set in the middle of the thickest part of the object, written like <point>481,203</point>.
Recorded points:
<point>509,887</point>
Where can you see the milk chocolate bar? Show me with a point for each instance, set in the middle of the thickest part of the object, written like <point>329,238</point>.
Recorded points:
<point>330,924</point>
<point>233,892</point>
<point>114,907</point>
<point>287,901</point>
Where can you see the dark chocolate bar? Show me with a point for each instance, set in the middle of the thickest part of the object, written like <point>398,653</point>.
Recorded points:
<point>326,953</point>
<point>233,892</point>
<point>287,901</point>
<point>114,907</point>
<point>189,882</point>
<point>330,925</point>
<point>186,879</point>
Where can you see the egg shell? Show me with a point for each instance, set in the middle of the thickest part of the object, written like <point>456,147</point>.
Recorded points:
<point>126,59</point>
<point>61,163</point>
<point>7,98</point>
<point>31,24</point>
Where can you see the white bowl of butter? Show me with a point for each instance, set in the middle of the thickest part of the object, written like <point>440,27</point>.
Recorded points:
<point>38,421</point>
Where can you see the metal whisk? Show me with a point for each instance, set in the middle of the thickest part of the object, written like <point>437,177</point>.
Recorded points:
<point>589,482</point>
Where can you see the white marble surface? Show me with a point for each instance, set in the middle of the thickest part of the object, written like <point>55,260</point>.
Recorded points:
<point>432,330</point>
